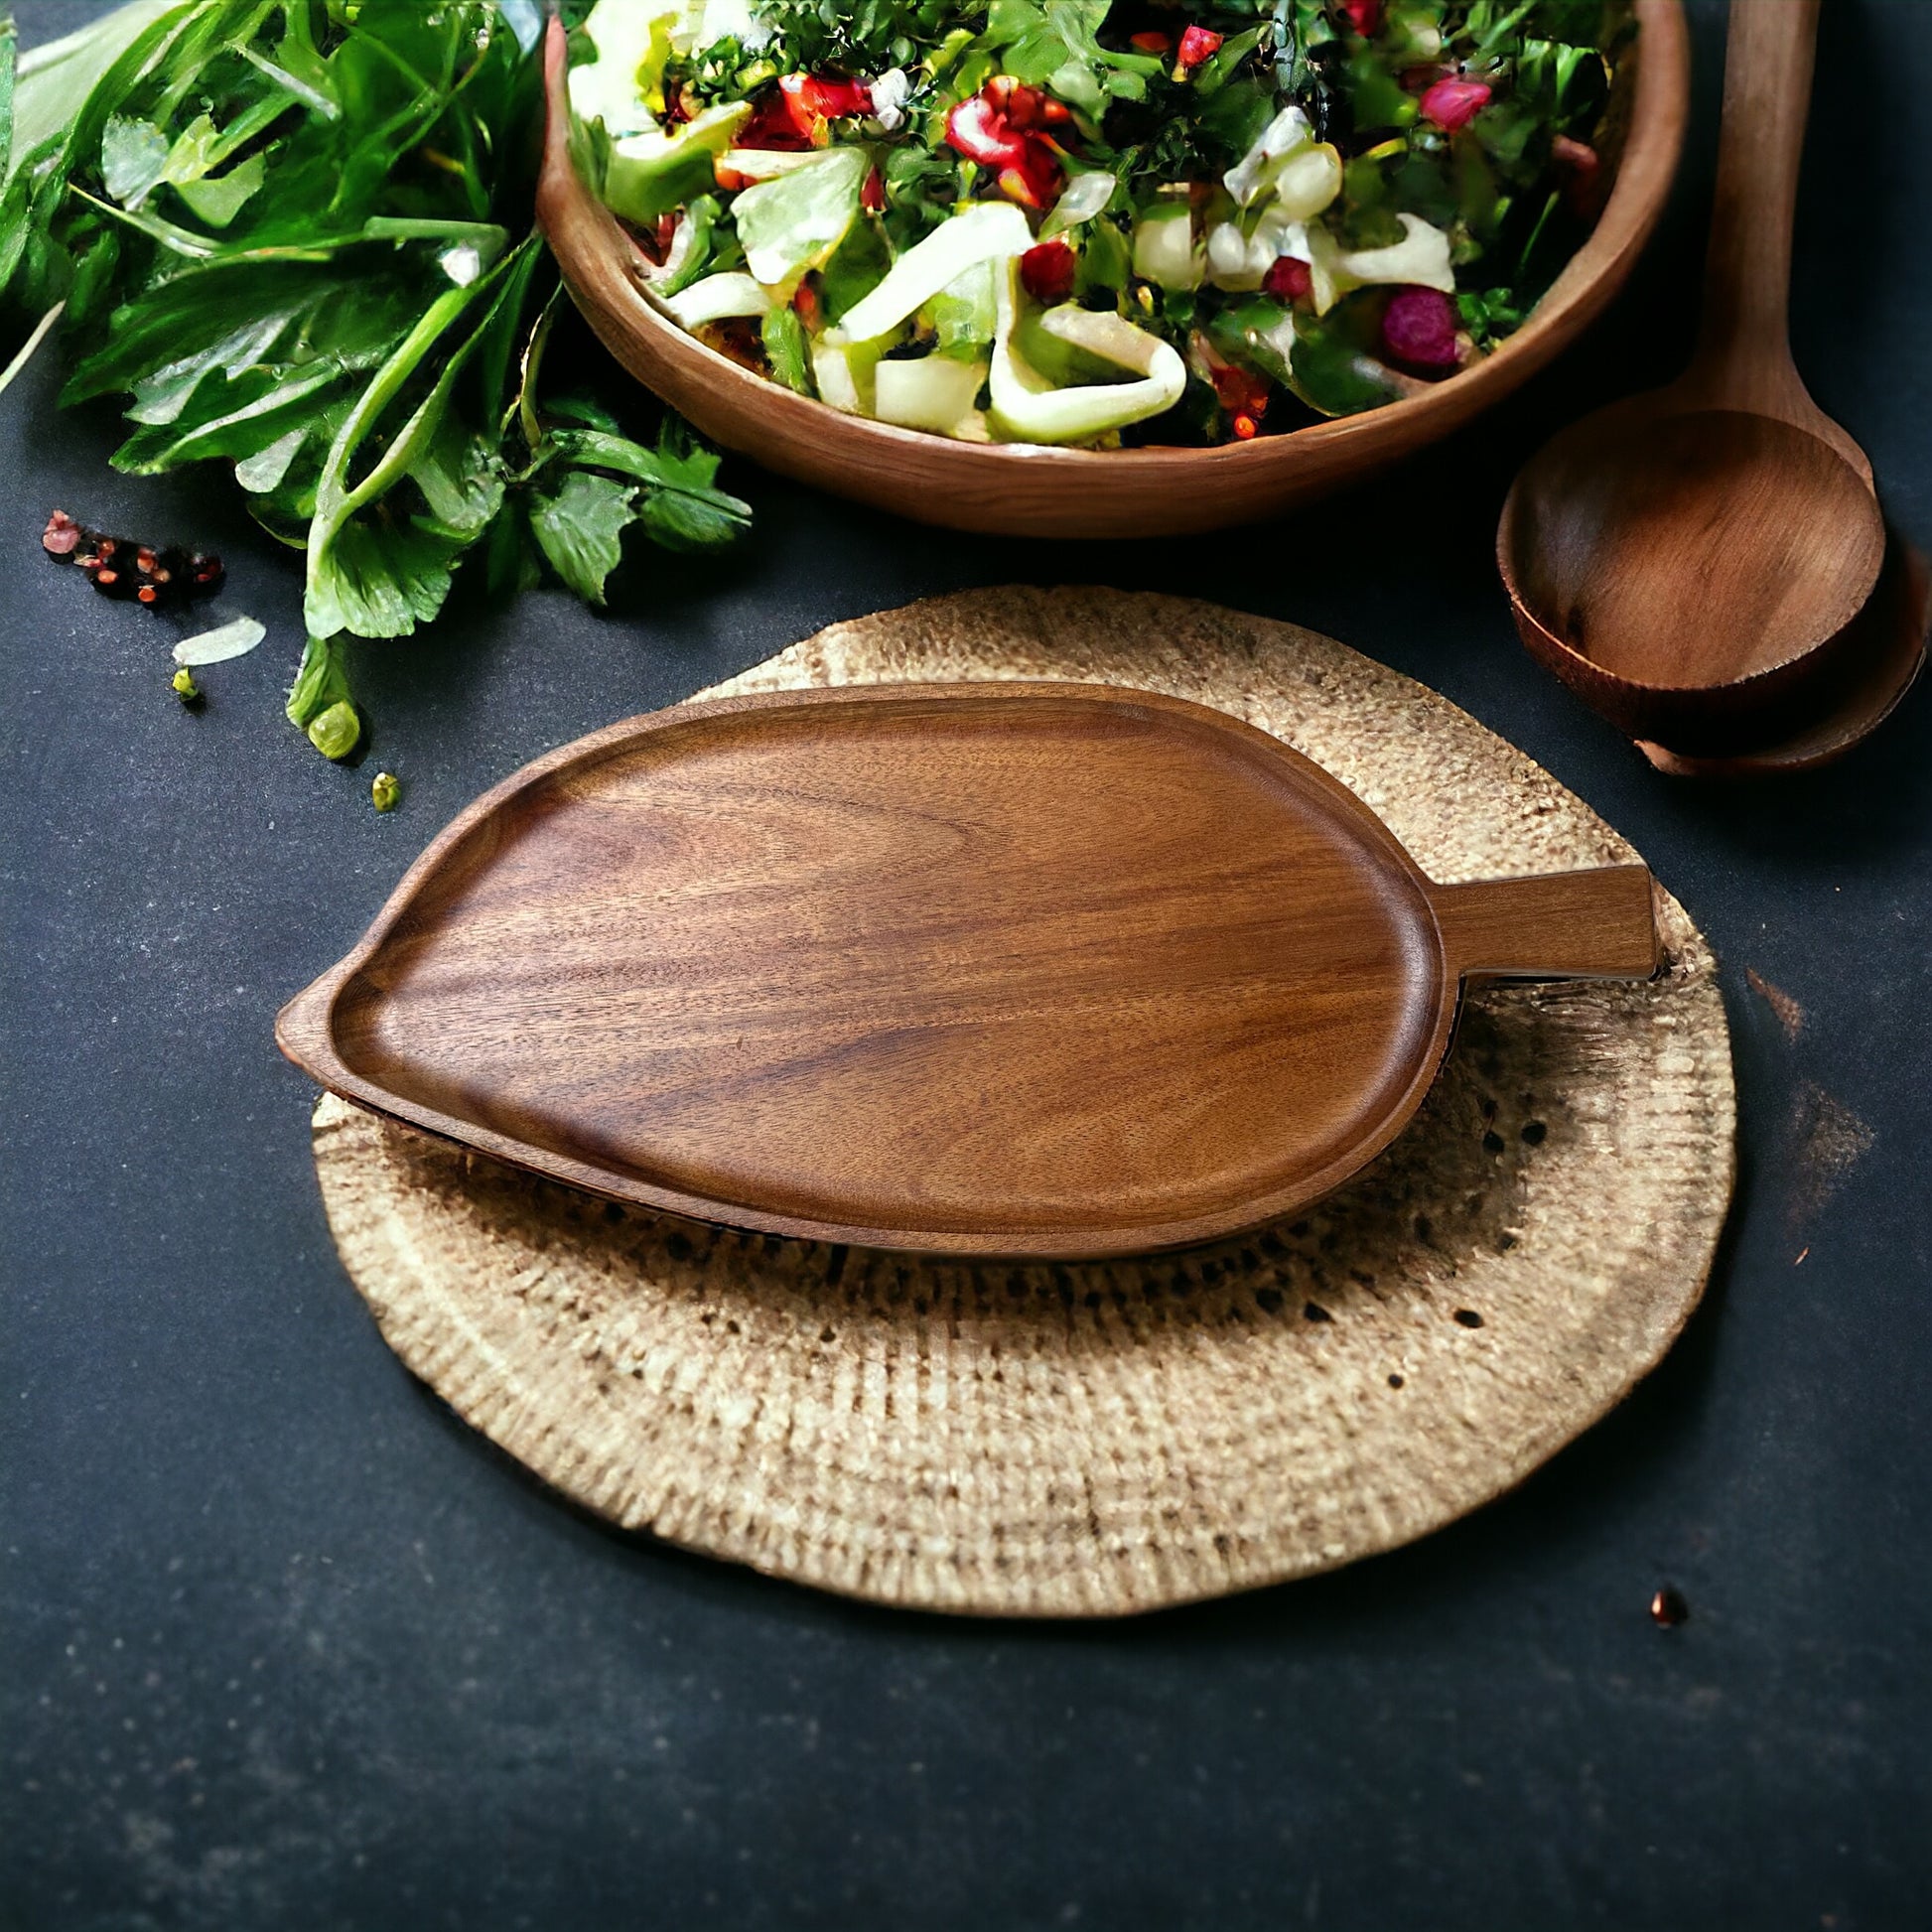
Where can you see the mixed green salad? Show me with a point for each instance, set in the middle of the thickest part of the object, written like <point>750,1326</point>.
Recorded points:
<point>1098,222</point>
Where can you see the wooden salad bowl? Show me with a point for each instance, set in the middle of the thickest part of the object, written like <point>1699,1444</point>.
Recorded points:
<point>1008,968</point>
<point>1030,490</point>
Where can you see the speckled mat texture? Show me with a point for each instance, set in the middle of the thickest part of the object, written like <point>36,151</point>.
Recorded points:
<point>1089,1440</point>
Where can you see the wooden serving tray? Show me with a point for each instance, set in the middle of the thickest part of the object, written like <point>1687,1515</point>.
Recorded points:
<point>1002,968</point>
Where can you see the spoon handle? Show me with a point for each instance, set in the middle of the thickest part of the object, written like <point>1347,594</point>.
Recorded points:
<point>1743,357</point>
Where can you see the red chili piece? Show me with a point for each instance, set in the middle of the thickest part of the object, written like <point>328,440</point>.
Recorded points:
<point>996,127</point>
<point>795,115</point>
<point>1198,44</point>
<point>1366,16</point>
<point>1454,103</point>
<point>1151,43</point>
<point>1047,272</point>
<point>1243,394</point>
<point>872,197</point>
<point>1419,329</point>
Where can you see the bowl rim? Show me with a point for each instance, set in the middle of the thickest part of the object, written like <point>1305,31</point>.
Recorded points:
<point>1646,170</point>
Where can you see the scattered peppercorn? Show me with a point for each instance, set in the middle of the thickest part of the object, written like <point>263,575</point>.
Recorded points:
<point>1668,1608</point>
<point>159,574</point>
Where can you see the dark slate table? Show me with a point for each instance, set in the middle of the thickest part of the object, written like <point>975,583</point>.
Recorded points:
<point>287,1646</point>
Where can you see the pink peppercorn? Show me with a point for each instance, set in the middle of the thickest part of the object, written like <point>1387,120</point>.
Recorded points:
<point>1419,329</point>
<point>1453,102</point>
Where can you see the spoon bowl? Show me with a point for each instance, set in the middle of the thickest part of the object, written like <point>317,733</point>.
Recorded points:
<point>1691,571</point>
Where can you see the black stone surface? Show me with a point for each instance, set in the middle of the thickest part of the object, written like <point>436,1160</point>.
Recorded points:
<point>287,1646</point>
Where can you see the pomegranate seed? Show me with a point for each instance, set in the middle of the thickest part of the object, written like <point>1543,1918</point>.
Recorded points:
<point>1245,427</point>
<point>1047,272</point>
<point>61,535</point>
<point>1288,280</point>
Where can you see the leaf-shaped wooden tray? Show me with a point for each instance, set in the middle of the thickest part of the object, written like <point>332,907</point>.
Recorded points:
<point>998,968</point>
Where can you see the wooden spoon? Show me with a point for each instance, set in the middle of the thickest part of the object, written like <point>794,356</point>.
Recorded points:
<point>1689,560</point>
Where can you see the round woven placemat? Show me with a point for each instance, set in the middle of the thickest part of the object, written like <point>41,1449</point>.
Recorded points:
<point>1089,1440</point>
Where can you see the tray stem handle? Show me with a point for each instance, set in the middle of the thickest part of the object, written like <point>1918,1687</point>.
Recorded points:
<point>1595,924</point>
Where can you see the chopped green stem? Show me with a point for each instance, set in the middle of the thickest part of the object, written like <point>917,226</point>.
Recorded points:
<point>1536,234</point>
<point>183,242</point>
<point>282,77</point>
<point>334,503</point>
<point>527,395</point>
<point>27,348</point>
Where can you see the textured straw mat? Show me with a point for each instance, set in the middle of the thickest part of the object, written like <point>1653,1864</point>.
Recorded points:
<point>1068,1439</point>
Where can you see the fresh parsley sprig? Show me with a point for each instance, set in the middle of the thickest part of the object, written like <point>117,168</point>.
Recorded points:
<point>296,236</point>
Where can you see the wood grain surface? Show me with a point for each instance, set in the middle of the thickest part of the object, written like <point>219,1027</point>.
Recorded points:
<point>1086,1439</point>
<point>1027,489</point>
<point>1692,559</point>
<point>1029,969</point>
